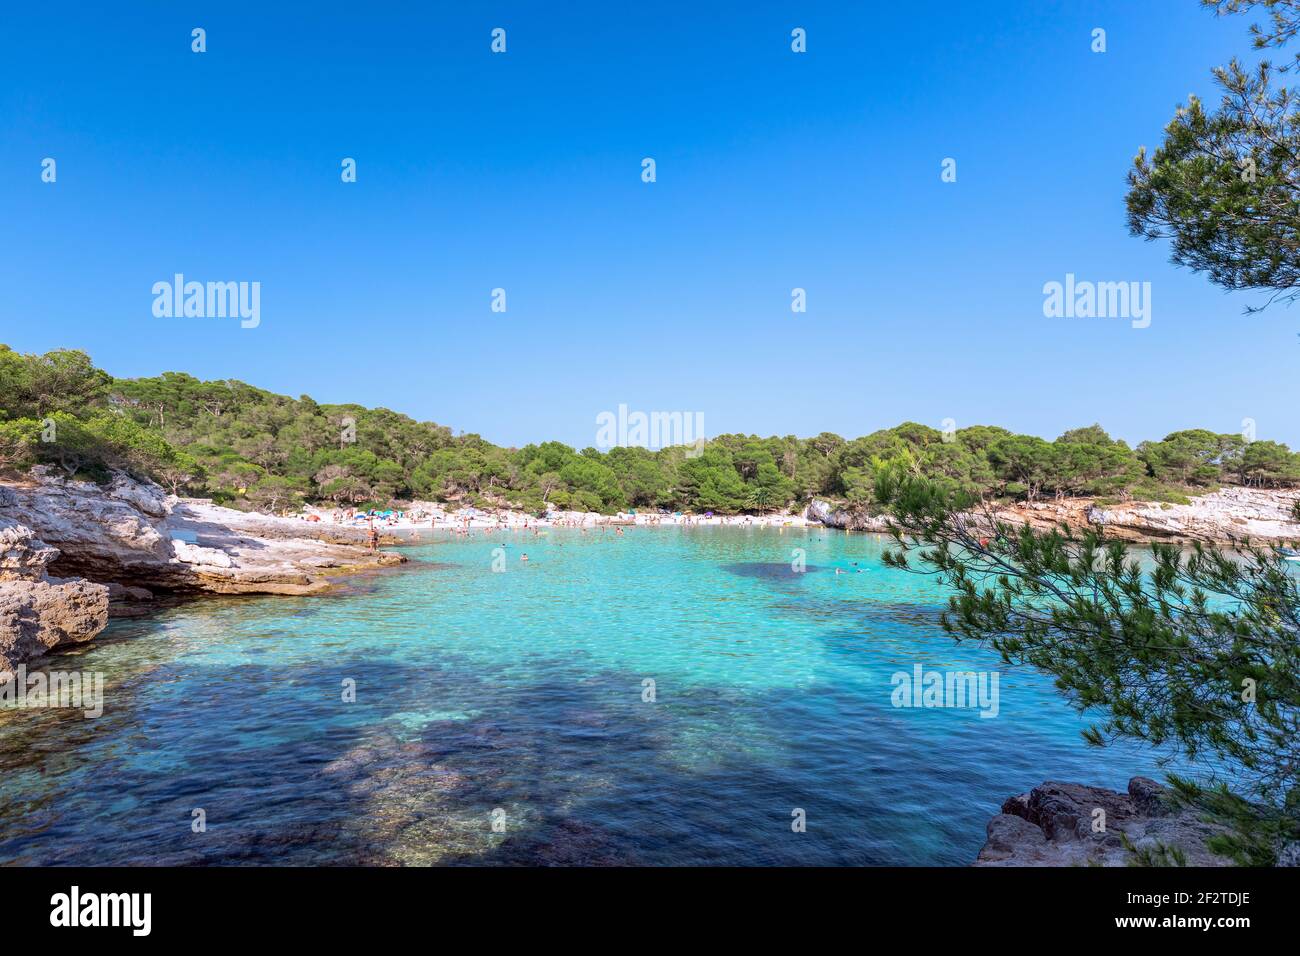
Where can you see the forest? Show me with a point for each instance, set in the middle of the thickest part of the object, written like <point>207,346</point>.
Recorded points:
<point>249,448</point>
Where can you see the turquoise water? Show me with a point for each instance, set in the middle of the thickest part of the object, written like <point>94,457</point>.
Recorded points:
<point>501,717</point>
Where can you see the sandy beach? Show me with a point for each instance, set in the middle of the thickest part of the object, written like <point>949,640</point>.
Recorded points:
<point>426,517</point>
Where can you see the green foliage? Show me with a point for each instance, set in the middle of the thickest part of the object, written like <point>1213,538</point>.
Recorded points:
<point>101,442</point>
<point>1150,490</point>
<point>1254,833</point>
<point>1196,651</point>
<point>1267,464</point>
<point>1191,458</point>
<point>18,440</point>
<point>34,386</point>
<point>251,448</point>
<point>1224,185</point>
<point>1158,855</point>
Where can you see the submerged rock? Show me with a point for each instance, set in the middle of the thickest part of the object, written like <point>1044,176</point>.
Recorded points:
<point>1069,824</point>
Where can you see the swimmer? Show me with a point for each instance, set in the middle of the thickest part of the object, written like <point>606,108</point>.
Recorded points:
<point>523,557</point>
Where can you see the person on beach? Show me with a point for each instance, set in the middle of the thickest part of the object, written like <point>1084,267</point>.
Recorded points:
<point>374,539</point>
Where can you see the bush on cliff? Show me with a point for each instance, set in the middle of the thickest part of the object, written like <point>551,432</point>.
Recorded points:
<point>94,446</point>
<point>17,439</point>
<point>34,386</point>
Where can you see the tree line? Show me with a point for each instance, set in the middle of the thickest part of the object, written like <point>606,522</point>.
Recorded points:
<point>251,448</point>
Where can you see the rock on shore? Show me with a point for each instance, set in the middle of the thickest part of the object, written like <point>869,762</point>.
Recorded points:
<point>844,518</point>
<point>132,533</point>
<point>1055,825</point>
<point>1265,517</point>
<point>37,613</point>
<point>133,536</point>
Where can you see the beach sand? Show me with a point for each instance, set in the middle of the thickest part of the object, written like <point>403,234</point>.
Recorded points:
<point>422,520</point>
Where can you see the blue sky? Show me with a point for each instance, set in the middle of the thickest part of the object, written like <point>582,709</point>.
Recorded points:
<point>522,171</point>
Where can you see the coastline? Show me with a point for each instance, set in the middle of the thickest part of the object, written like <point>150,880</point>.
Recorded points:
<point>1228,515</point>
<point>77,553</point>
<point>429,516</point>
<point>1071,824</point>
<point>73,555</point>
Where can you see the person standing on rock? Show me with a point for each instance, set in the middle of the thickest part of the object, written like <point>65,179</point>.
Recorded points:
<point>374,538</point>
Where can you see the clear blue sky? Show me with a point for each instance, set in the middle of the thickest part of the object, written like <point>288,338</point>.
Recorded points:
<point>522,171</point>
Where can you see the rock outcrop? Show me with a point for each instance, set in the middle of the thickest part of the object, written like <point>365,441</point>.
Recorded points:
<point>1068,824</point>
<point>1265,517</point>
<point>37,613</point>
<point>113,546</point>
<point>132,533</point>
<point>844,518</point>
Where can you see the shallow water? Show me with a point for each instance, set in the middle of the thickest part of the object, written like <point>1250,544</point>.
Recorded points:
<point>500,717</point>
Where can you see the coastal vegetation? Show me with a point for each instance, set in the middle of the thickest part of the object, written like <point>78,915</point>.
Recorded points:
<point>1223,186</point>
<point>1197,651</point>
<point>253,449</point>
<point>1191,650</point>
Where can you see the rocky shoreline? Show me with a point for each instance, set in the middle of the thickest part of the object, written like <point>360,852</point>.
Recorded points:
<point>1069,824</point>
<point>74,553</point>
<point>1263,516</point>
